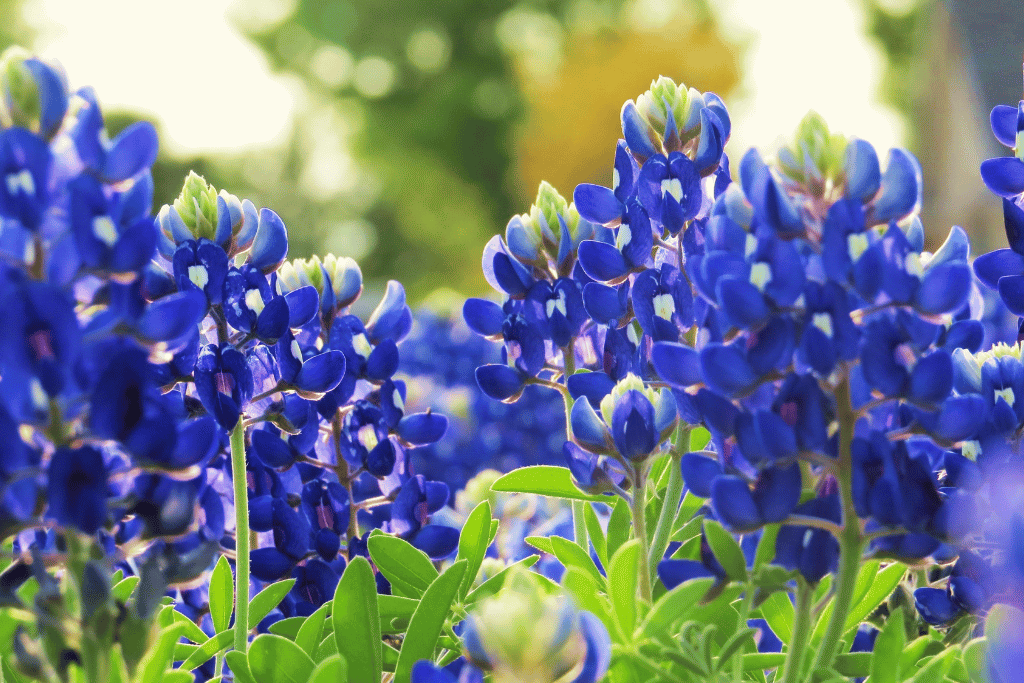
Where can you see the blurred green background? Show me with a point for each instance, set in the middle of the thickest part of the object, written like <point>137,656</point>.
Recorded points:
<point>421,126</point>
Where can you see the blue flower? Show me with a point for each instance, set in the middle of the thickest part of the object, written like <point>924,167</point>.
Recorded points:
<point>812,551</point>
<point>556,310</point>
<point>631,251</point>
<point>311,374</point>
<point>663,303</point>
<point>131,152</point>
<point>224,383</point>
<point>410,511</point>
<point>25,162</point>
<point>201,265</point>
<point>113,233</point>
<point>39,343</point>
<point>250,306</point>
<point>669,188</point>
<point>77,488</point>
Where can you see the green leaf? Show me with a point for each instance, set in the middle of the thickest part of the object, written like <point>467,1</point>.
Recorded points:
<point>915,651</point>
<point>936,668</point>
<point>328,648</point>
<point>622,578</point>
<point>123,589</point>
<point>239,665</point>
<point>428,620</point>
<point>618,526</point>
<point>357,621</point>
<point>853,664</point>
<point>726,550</point>
<point>541,543</point>
<point>699,438</point>
<point>189,628</point>
<point>222,595</point>
<point>673,606</point>
<point>334,669</point>
<point>572,555</point>
<point>865,577</point>
<point>473,542</point>
<point>158,658</point>
<point>267,599</point>
<point>756,661</point>
<point>8,673</point>
<point>778,611</point>
<point>309,634</point>
<point>766,546</point>
<point>494,584</point>
<point>395,608</point>
<point>207,650</point>
<point>596,534</point>
<point>408,569</point>
<point>389,658</point>
<point>178,676</point>
<point>583,587</point>
<point>118,667</point>
<point>545,480</point>
<point>273,659</point>
<point>885,661</point>
<point>882,586</point>
<point>289,628</point>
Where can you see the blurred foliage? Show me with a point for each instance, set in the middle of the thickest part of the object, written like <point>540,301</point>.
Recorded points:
<point>424,125</point>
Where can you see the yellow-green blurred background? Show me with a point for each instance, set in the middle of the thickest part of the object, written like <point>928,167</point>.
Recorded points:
<point>405,133</point>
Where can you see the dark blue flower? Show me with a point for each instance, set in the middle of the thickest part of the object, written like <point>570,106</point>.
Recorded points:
<point>670,189</point>
<point>39,343</point>
<point>556,309</point>
<point>411,510</point>
<point>663,303</point>
<point>201,265</point>
<point>77,488</point>
<point>250,305</point>
<point>812,551</point>
<point>224,383</point>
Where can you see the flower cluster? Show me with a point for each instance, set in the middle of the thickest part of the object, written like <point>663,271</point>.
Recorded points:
<point>161,372</point>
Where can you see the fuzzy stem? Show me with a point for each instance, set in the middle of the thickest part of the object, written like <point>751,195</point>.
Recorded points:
<point>238,474</point>
<point>670,504</point>
<point>638,511</point>
<point>801,633</point>
<point>851,541</point>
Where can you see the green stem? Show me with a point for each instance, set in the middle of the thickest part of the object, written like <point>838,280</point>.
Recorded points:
<point>238,474</point>
<point>579,526</point>
<point>851,542</point>
<point>638,511</point>
<point>748,599</point>
<point>669,508</point>
<point>801,632</point>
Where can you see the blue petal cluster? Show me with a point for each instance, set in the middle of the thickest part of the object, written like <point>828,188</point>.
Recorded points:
<point>134,344</point>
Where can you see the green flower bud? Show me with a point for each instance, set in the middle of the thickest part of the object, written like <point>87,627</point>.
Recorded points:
<point>21,105</point>
<point>525,635</point>
<point>197,206</point>
<point>628,383</point>
<point>815,157</point>
<point>664,96</point>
